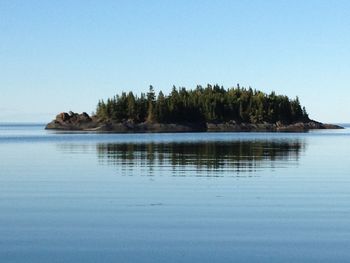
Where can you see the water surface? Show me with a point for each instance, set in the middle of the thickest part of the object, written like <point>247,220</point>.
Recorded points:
<point>188,197</point>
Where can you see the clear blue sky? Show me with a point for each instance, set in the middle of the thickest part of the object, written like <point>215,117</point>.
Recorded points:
<point>65,55</point>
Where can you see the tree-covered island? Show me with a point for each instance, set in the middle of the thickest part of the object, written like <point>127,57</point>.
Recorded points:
<point>210,108</point>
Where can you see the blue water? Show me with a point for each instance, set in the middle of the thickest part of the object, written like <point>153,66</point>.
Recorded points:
<point>187,197</point>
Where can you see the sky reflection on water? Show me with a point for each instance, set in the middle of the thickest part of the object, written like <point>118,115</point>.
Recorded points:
<point>206,197</point>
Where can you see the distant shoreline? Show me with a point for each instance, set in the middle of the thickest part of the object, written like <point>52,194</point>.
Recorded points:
<point>83,122</point>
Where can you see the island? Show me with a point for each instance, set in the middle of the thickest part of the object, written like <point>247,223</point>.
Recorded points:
<point>212,108</point>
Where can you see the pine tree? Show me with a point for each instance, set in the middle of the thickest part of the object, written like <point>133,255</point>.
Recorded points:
<point>131,106</point>
<point>151,103</point>
<point>161,108</point>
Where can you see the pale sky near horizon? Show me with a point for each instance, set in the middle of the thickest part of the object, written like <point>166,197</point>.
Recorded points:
<point>66,55</point>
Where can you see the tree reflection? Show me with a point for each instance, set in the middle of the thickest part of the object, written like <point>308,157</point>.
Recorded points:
<point>209,156</point>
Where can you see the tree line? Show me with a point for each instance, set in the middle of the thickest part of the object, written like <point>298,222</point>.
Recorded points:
<point>212,103</point>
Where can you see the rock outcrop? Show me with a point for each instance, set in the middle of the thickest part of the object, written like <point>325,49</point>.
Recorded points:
<point>72,121</point>
<point>83,122</point>
<point>270,127</point>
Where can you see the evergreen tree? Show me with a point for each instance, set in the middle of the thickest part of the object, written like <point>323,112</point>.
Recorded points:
<point>161,108</point>
<point>131,106</point>
<point>151,103</point>
<point>209,104</point>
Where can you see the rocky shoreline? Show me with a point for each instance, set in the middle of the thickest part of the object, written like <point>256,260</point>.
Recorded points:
<point>83,122</point>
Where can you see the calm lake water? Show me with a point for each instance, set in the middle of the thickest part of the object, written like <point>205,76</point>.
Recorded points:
<point>189,197</point>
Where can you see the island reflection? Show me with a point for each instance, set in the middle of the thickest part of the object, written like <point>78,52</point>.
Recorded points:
<point>198,157</point>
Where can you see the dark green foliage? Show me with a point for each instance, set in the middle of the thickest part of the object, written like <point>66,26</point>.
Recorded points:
<point>209,104</point>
